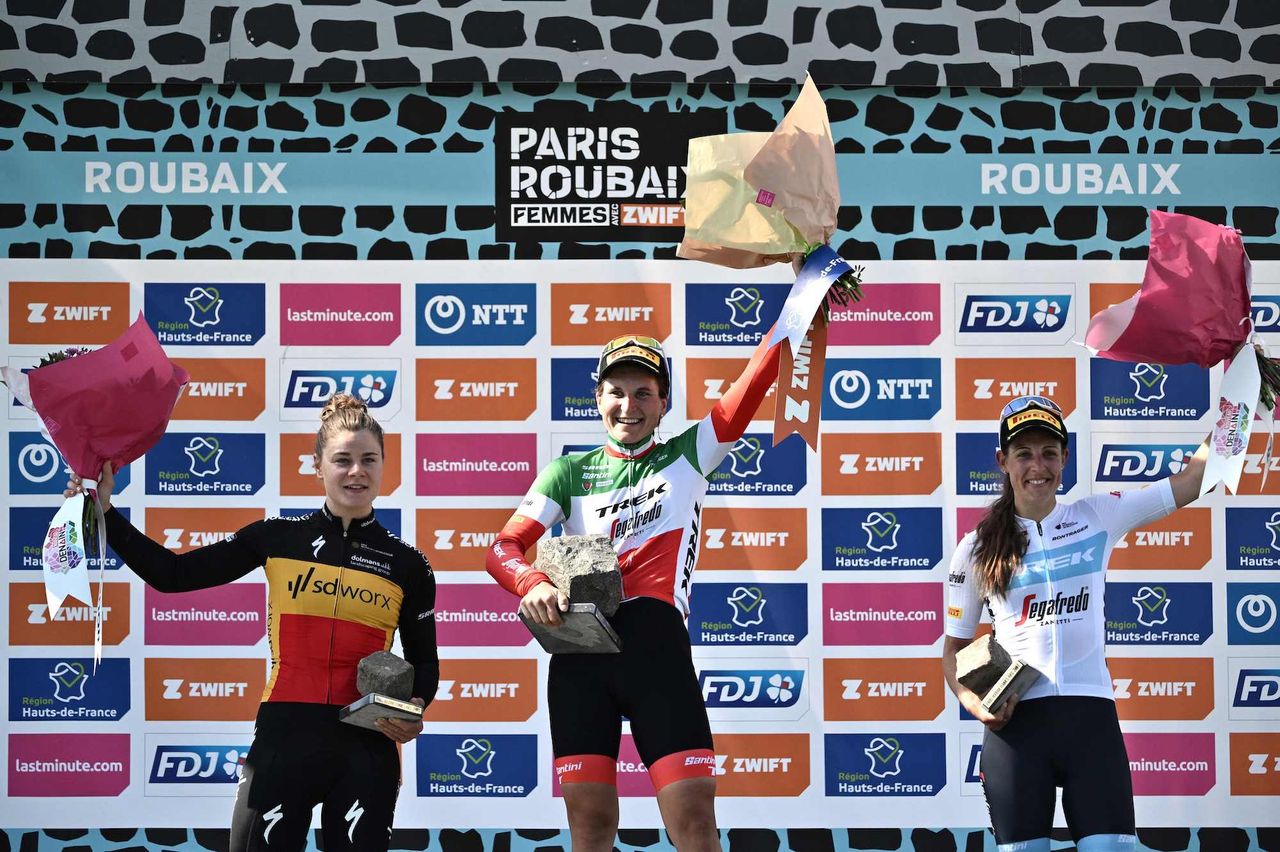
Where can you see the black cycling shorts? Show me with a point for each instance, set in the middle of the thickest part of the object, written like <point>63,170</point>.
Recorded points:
<point>1068,741</point>
<point>652,683</point>
<point>302,756</point>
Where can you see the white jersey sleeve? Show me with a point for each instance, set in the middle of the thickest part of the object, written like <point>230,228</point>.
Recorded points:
<point>1118,512</point>
<point>964,604</point>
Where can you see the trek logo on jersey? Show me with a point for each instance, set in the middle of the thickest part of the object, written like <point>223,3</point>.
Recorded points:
<point>755,765</point>
<point>233,614</point>
<point>181,530</point>
<point>985,385</point>
<point>36,466</point>
<point>731,314</point>
<point>26,528</point>
<point>755,467</point>
<point>32,623</point>
<point>591,314</point>
<point>485,691</point>
<point>477,764</point>
<point>889,315</point>
<point>65,765</point>
<point>477,615</point>
<point>749,614</point>
<point>1265,313</point>
<point>1158,613</point>
<point>885,764</point>
<point>297,465</point>
<point>68,689</point>
<point>222,389</point>
<point>1254,687</point>
<point>476,389</point>
<point>882,389</point>
<point>1253,538</point>
<point>1140,462</point>
<point>978,474</point>
<point>881,613</point>
<point>204,314</point>
<point>1253,613</point>
<point>1174,764</point>
<point>455,464</point>
<point>878,464</point>
<point>573,389</point>
<point>207,463</point>
<point>1162,687</point>
<point>736,538</point>
<point>751,688</point>
<point>1034,314</point>
<point>203,690</point>
<point>307,386</point>
<point>83,313</point>
<point>1121,390</point>
<point>475,314</point>
<point>881,539</point>
<point>459,539</point>
<point>1255,764</point>
<point>870,690</point>
<point>1181,541</point>
<point>339,314</point>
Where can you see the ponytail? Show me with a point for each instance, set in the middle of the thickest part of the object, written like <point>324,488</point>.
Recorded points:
<point>1000,544</point>
<point>345,413</point>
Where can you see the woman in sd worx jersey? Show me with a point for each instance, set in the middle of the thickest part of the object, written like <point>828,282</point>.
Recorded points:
<point>646,496</point>
<point>1038,567</point>
<point>339,586</point>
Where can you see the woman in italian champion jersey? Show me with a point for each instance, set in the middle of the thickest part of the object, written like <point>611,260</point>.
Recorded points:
<point>1037,566</point>
<point>646,495</point>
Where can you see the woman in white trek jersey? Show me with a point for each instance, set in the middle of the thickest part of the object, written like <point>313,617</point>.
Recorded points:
<point>1038,566</point>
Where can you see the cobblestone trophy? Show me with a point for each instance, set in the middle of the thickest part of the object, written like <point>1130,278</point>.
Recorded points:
<point>386,683</point>
<point>585,567</point>
<point>986,668</point>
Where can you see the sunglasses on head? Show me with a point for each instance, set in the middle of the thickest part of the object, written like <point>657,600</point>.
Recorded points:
<point>630,339</point>
<point>1023,402</point>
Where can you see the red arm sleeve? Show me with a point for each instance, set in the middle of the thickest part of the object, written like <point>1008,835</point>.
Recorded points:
<point>505,560</point>
<point>733,412</point>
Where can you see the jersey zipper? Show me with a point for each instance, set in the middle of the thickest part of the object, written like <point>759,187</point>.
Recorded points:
<point>337,594</point>
<point>1053,630</point>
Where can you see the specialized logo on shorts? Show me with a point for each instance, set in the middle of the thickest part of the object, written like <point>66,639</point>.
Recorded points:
<point>477,764</point>
<point>68,689</point>
<point>882,389</point>
<point>1181,541</point>
<point>761,764</point>
<point>1251,480</point>
<point>876,464</point>
<point>459,539</point>
<point>1253,538</point>
<point>737,538</point>
<point>31,622</point>
<point>1175,764</point>
<point>1254,688</point>
<point>755,689</point>
<point>477,615</point>
<point>1253,613</point>
<point>1265,313</point>
<point>985,385</point>
<point>195,764</point>
<point>234,614</point>
<point>731,314</point>
<point>298,465</point>
<point>485,691</point>
<point>749,614</point>
<point>471,464</point>
<point>181,530</point>
<point>1123,462</point>
<point>68,765</point>
<point>339,314</point>
<point>881,539</point>
<point>222,389</point>
<point>73,312</point>
<point>889,315</point>
<point>885,764</point>
<point>757,468</point>
<point>881,613</point>
<point>1255,764</point>
<point>204,690</point>
<point>710,379</point>
<point>1162,687</point>
<point>476,388</point>
<point>866,690</point>
<point>978,474</point>
<point>26,537</point>
<point>36,466</point>
<point>202,314</point>
<point>207,463</point>
<point>1121,390</point>
<point>306,385</point>
<point>592,314</point>
<point>1021,315</point>
<point>475,314</point>
<point>1159,613</point>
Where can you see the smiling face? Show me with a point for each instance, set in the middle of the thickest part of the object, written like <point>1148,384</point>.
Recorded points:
<point>351,470</point>
<point>1034,462</point>
<point>630,404</point>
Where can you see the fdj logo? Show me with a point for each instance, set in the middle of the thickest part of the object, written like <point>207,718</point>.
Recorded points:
<point>313,388</point>
<point>1265,313</point>
<point>1025,314</point>
<point>1257,688</point>
<point>184,764</point>
<point>1141,462</point>
<point>488,314</point>
<point>751,688</point>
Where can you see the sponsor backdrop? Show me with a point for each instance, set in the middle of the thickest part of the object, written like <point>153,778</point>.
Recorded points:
<point>817,612</point>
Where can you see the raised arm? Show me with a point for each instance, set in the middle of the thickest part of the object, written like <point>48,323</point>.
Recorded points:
<point>202,568</point>
<point>733,412</point>
<point>1186,482</point>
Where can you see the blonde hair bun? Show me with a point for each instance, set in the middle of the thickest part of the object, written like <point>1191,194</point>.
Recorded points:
<point>342,402</point>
